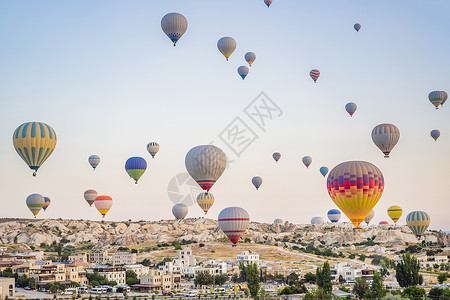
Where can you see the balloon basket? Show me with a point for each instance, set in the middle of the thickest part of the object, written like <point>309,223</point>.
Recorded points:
<point>357,229</point>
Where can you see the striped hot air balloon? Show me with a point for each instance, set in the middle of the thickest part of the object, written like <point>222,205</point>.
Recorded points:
<point>94,160</point>
<point>278,221</point>
<point>226,46</point>
<point>180,211</point>
<point>355,187</point>
<point>103,204</point>
<point>314,73</point>
<point>267,2</point>
<point>385,136</point>
<point>395,212</point>
<point>276,156</point>
<point>317,221</point>
<point>437,97</point>
<point>174,26</point>
<point>153,148</point>
<point>445,98</point>
<point>90,196</point>
<point>35,202</point>
<point>257,181</point>
<point>250,58</point>
<point>418,222</point>
<point>435,134</point>
<point>351,108</point>
<point>234,222</point>
<point>307,160</point>
<point>46,203</point>
<point>334,215</point>
<point>369,217</point>
<point>135,167</point>
<point>205,201</point>
<point>205,164</point>
<point>34,142</point>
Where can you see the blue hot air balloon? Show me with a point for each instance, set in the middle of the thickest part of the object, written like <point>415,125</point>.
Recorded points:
<point>357,27</point>
<point>323,171</point>
<point>135,167</point>
<point>334,215</point>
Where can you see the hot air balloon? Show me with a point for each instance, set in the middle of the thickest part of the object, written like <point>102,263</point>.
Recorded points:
<point>257,181</point>
<point>135,167</point>
<point>234,222</point>
<point>334,215</point>
<point>103,204</point>
<point>180,211</point>
<point>94,160</point>
<point>250,58</point>
<point>357,27</point>
<point>314,74</point>
<point>276,156</point>
<point>35,202</point>
<point>205,201</point>
<point>90,196</point>
<point>205,164</point>
<point>395,212</point>
<point>351,108</point>
<point>317,221</point>
<point>278,221</point>
<point>46,203</point>
<point>385,136</point>
<point>355,187</point>
<point>383,223</point>
<point>243,71</point>
<point>445,98</point>
<point>226,46</point>
<point>418,222</point>
<point>268,2</point>
<point>435,134</point>
<point>174,26</point>
<point>34,142</point>
<point>369,217</point>
<point>323,171</point>
<point>436,98</point>
<point>307,160</point>
<point>153,148</point>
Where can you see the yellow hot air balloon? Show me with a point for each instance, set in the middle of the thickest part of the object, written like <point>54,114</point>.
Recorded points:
<point>355,187</point>
<point>418,222</point>
<point>34,142</point>
<point>395,212</point>
<point>205,201</point>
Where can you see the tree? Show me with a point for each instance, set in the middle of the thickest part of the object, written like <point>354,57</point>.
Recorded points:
<point>310,277</point>
<point>253,279</point>
<point>413,293</point>
<point>220,279</point>
<point>445,295</point>
<point>131,277</point>
<point>146,262</point>
<point>435,293</point>
<point>112,283</point>
<point>407,271</point>
<point>323,275</point>
<point>377,290</point>
<point>361,287</point>
<point>292,279</point>
<point>242,272</point>
<point>203,278</point>
<point>442,277</point>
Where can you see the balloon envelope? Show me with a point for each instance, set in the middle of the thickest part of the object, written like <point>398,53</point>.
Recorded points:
<point>205,164</point>
<point>35,202</point>
<point>103,204</point>
<point>250,58</point>
<point>153,148</point>
<point>418,222</point>
<point>174,26</point>
<point>276,156</point>
<point>385,136</point>
<point>180,211</point>
<point>307,160</point>
<point>257,181</point>
<point>369,217</point>
<point>268,2</point>
<point>243,71</point>
<point>437,97</point>
<point>357,27</point>
<point>383,223</point>
<point>334,215</point>
<point>445,98</point>
<point>435,134</point>
<point>278,221</point>
<point>317,221</point>
<point>46,203</point>
<point>205,201</point>
<point>395,212</point>
<point>94,160</point>
<point>226,46</point>
<point>234,222</point>
<point>323,171</point>
<point>355,187</point>
<point>314,74</point>
<point>90,196</point>
<point>351,108</point>
<point>34,142</point>
<point>135,167</point>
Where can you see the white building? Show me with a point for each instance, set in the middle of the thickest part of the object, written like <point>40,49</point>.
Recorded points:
<point>99,256</point>
<point>117,274</point>
<point>123,258</point>
<point>213,266</point>
<point>345,272</point>
<point>248,257</point>
<point>7,288</point>
<point>185,258</point>
<point>425,261</point>
<point>139,269</point>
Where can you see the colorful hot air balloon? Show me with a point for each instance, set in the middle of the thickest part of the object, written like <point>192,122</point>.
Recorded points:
<point>205,164</point>
<point>307,160</point>
<point>205,201</point>
<point>314,74</point>
<point>103,204</point>
<point>351,108</point>
<point>243,71</point>
<point>369,217</point>
<point>153,148</point>
<point>90,196</point>
<point>418,222</point>
<point>234,222</point>
<point>180,211</point>
<point>435,134</point>
<point>94,160</point>
<point>357,27</point>
<point>34,142</point>
<point>355,187</point>
<point>383,223</point>
<point>334,215</point>
<point>226,46</point>
<point>46,203</point>
<point>174,26</point>
<point>436,98</point>
<point>323,171</point>
<point>35,202</point>
<point>135,167</point>
<point>268,2</point>
<point>278,221</point>
<point>250,58</point>
<point>317,221</point>
<point>445,98</point>
<point>276,156</point>
<point>385,136</point>
<point>395,212</point>
<point>257,181</point>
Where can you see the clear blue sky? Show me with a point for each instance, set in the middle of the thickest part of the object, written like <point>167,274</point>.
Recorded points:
<point>107,79</point>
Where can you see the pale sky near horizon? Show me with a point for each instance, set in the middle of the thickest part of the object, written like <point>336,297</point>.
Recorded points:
<point>108,80</point>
